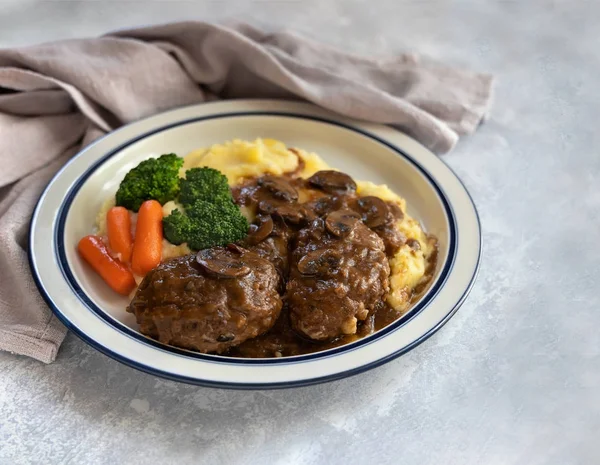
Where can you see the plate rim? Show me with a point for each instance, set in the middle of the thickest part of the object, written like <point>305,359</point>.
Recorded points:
<point>312,113</point>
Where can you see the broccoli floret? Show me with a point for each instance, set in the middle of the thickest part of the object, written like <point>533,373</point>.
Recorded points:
<point>211,217</point>
<point>153,179</point>
<point>205,184</point>
<point>177,227</point>
<point>205,225</point>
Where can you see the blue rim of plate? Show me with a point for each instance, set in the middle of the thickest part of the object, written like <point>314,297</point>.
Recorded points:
<point>88,303</point>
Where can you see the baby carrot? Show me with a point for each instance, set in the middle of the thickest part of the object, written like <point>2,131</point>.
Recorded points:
<point>118,225</point>
<point>147,246</point>
<point>114,273</point>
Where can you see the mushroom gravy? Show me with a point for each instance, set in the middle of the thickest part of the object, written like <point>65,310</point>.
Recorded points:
<point>315,272</point>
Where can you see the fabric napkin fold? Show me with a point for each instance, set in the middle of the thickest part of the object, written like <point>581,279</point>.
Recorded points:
<point>56,98</point>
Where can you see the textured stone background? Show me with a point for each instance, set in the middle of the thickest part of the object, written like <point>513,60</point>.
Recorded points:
<point>513,378</point>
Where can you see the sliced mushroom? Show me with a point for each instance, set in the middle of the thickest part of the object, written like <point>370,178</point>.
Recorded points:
<point>319,262</point>
<point>324,205</point>
<point>392,238</point>
<point>279,187</point>
<point>414,244</point>
<point>309,214</point>
<point>341,222</point>
<point>268,206</point>
<point>222,263</point>
<point>259,232</point>
<point>332,181</point>
<point>317,229</point>
<point>236,248</point>
<point>395,211</point>
<point>373,210</point>
<point>290,213</point>
<point>294,213</point>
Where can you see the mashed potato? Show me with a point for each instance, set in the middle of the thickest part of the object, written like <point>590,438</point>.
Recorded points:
<point>240,159</point>
<point>101,216</point>
<point>408,267</point>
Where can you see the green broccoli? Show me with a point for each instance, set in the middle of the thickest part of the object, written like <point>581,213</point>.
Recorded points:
<point>177,227</point>
<point>205,184</point>
<point>153,179</point>
<point>205,225</point>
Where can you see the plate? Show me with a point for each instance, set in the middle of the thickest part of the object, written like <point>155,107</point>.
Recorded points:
<point>66,212</point>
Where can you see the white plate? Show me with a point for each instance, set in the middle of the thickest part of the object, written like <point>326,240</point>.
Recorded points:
<point>66,212</point>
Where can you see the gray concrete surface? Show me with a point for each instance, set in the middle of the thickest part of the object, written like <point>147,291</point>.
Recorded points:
<point>513,378</point>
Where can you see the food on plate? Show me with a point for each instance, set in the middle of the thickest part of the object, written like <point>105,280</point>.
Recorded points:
<point>206,224</point>
<point>118,231</point>
<point>153,179</point>
<point>147,245</point>
<point>208,302</point>
<point>339,275</point>
<point>210,216</point>
<point>118,277</point>
<point>206,184</point>
<point>254,249</point>
<point>239,159</point>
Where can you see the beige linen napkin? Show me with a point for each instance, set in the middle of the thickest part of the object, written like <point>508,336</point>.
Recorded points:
<point>57,97</point>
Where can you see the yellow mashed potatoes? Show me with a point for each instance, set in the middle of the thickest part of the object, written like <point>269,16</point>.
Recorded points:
<point>240,160</point>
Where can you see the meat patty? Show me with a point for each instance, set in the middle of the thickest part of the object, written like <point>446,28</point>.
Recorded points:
<point>269,239</point>
<point>338,274</point>
<point>208,302</point>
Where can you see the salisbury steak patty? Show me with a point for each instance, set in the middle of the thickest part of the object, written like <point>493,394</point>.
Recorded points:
<point>339,273</point>
<point>208,302</point>
<point>269,239</point>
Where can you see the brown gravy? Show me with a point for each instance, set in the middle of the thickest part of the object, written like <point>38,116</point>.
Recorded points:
<point>315,262</point>
<point>281,340</point>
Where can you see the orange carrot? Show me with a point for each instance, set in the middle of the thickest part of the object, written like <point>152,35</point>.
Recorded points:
<point>114,273</point>
<point>118,225</point>
<point>147,246</point>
